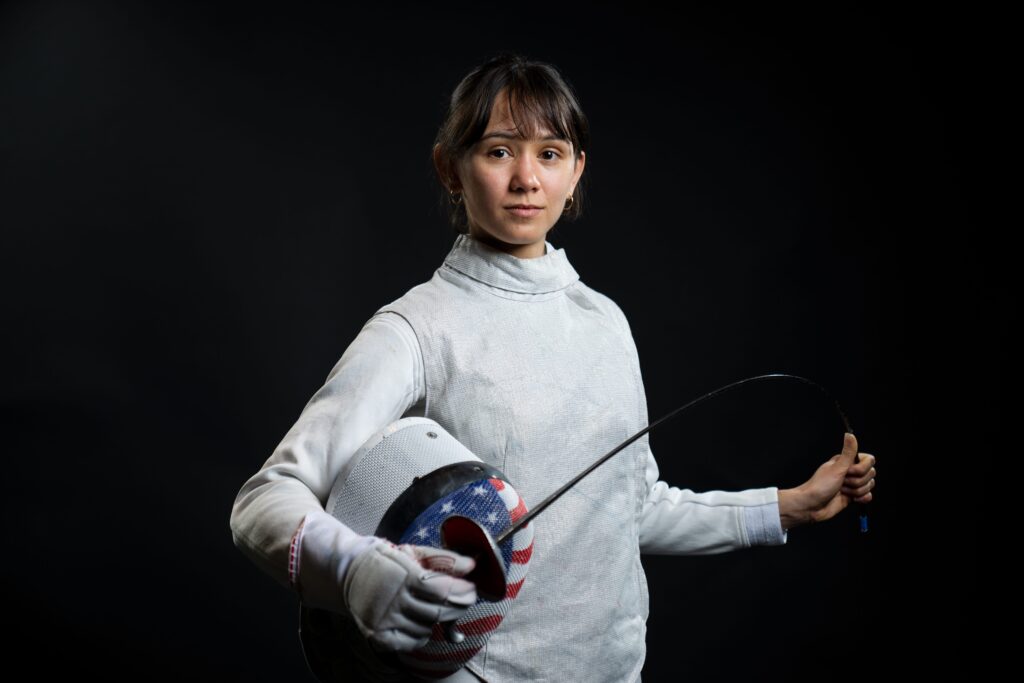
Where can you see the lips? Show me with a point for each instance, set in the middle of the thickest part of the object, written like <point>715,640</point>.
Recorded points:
<point>524,211</point>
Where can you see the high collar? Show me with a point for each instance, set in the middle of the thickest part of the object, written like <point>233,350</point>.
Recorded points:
<point>480,261</point>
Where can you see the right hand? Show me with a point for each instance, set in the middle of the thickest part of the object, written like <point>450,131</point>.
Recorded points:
<point>396,593</point>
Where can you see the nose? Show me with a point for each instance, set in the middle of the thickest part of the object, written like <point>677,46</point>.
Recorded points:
<point>524,175</point>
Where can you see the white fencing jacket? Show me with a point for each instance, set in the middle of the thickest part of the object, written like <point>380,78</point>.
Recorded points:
<point>537,374</point>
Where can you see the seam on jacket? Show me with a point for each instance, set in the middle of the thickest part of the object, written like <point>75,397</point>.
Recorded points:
<point>423,360</point>
<point>625,331</point>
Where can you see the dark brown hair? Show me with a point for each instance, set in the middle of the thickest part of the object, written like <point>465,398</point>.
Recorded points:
<point>536,89</point>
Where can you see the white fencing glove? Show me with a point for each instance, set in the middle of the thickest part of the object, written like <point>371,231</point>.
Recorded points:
<point>394,593</point>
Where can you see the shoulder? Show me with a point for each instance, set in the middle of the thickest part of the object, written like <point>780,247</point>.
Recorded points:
<point>603,304</point>
<point>391,325</point>
<point>387,349</point>
<point>435,293</point>
<point>386,337</point>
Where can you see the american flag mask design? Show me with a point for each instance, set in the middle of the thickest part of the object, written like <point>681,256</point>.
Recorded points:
<point>494,505</point>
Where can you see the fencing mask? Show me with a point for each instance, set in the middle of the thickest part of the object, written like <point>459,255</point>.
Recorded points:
<point>404,484</point>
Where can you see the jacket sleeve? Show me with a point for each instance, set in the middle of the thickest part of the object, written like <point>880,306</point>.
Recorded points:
<point>677,521</point>
<point>378,378</point>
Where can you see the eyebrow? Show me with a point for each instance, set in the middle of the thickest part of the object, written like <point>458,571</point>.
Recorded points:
<point>509,136</point>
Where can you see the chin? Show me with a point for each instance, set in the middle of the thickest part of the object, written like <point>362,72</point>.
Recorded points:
<point>517,238</point>
<point>514,234</point>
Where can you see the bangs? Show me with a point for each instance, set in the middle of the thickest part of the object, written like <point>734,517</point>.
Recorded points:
<point>534,106</point>
<point>533,112</point>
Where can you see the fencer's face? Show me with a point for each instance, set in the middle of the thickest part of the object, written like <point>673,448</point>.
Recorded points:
<point>503,171</point>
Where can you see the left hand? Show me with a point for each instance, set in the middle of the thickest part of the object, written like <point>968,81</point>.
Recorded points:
<point>835,483</point>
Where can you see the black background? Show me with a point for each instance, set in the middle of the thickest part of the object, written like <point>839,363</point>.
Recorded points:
<point>202,205</point>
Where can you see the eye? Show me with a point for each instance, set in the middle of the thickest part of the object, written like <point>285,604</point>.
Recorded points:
<point>555,153</point>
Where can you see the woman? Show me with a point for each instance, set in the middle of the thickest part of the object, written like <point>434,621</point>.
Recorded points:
<point>537,374</point>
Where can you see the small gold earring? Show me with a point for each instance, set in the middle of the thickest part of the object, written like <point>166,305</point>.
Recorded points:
<point>455,197</point>
<point>568,204</point>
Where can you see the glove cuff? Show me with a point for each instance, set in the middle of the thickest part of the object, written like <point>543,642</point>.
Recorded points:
<point>321,551</point>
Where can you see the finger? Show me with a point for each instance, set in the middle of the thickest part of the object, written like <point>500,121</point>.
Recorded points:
<point>422,612</point>
<point>430,613</point>
<point>426,561</point>
<point>442,588</point>
<point>865,462</point>
<point>854,480</point>
<point>861,467</point>
<point>434,586</point>
<point>396,640</point>
<point>452,613</point>
<point>411,617</point>
<point>859,490</point>
<point>444,560</point>
<point>849,450</point>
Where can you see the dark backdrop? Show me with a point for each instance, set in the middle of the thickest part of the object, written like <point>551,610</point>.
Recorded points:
<point>202,205</point>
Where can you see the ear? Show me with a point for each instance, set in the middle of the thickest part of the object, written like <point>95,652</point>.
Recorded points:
<point>580,163</point>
